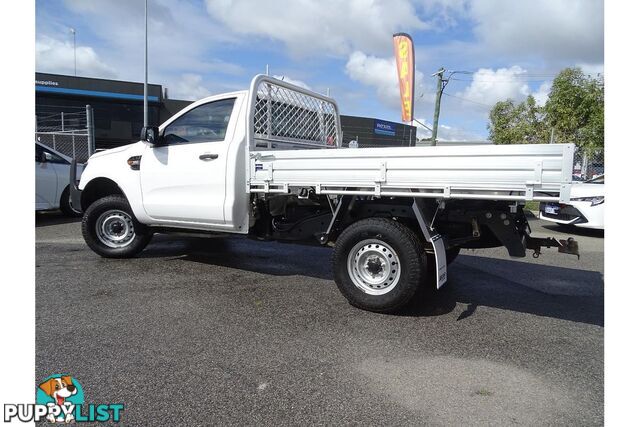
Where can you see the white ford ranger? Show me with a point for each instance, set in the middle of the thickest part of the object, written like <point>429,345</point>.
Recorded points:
<point>269,163</point>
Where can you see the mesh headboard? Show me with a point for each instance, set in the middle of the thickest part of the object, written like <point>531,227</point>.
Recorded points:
<point>286,116</point>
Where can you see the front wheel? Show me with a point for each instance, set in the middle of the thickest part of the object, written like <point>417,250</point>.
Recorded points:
<point>111,230</point>
<point>379,264</point>
<point>65,204</point>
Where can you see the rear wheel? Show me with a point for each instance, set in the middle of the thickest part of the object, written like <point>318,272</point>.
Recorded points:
<point>112,231</point>
<point>379,264</point>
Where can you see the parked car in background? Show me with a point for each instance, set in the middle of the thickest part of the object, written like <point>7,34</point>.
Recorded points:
<point>586,209</point>
<point>52,180</point>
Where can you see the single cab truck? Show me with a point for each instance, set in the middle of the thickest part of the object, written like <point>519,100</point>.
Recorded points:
<point>268,163</point>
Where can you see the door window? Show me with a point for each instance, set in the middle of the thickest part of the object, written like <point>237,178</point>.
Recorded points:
<point>48,156</point>
<point>205,123</point>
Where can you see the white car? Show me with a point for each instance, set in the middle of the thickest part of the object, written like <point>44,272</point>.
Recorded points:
<point>52,180</point>
<point>586,209</point>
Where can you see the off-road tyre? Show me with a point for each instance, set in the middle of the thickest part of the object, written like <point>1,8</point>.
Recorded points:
<point>135,243</point>
<point>408,251</point>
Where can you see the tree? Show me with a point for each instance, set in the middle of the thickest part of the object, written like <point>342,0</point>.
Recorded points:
<point>574,110</point>
<point>511,123</point>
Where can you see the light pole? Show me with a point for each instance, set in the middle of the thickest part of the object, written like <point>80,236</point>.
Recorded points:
<point>75,69</point>
<point>146,68</point>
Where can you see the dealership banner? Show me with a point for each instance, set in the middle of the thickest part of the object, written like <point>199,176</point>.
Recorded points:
<point>380,127</point>
<point>403,47</point>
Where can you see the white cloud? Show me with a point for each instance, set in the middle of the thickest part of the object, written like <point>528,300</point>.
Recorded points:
<point>421,132</point>
<point>55,56</point>
<point>190,88</point>
<point>592,69</point>
<point>293,81</point>
<point>382,74</point>
<point>490,86</point>
<point>443,13</point>
<point>558,30</point>
<point>446,132</point>
<point>309,28</point>
<point>181,37</point>
<point>452,133</point>
<point>379,73</point>
<point>542,94</point>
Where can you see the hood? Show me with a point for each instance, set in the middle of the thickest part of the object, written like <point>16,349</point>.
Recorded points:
<point>113,150</point>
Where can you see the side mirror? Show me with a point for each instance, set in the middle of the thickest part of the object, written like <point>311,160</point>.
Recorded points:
<point>41,157</point>
<point>151,134</point>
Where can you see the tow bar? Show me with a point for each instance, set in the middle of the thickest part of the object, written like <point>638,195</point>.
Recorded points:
<point>569,246</point>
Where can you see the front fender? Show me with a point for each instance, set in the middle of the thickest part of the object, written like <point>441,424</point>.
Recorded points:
<point>112,166</point>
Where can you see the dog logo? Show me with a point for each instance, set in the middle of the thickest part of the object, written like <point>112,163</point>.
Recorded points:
<point>60,391</point>
<point>60,399</point>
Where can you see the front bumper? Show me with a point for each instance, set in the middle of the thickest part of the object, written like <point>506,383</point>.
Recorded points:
<point>566,215</point>
<point>74,192</point>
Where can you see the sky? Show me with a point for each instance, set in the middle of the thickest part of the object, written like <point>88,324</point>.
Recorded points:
<point>504,49</point>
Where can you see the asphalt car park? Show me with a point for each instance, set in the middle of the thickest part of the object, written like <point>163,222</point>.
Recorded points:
<point>233,331</point>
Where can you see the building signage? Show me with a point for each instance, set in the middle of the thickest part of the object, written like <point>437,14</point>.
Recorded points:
<point>384,128</point>
<point>46,83</point>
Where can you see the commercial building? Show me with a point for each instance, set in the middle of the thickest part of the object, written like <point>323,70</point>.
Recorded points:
<point>118,111</point>
<point>117,105</point>
<point>370,132</point>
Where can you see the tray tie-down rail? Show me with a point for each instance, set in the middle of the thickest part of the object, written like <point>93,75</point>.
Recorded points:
<point>568,246</point>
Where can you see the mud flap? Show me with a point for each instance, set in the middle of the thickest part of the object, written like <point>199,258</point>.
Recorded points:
<point>74,191</point>
<point>435,239</point>
<point>441,260</point>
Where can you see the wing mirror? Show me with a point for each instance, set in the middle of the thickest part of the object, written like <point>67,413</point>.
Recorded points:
<point>151,134</point>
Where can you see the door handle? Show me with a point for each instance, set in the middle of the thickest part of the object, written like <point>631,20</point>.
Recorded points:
<point>208,156</point>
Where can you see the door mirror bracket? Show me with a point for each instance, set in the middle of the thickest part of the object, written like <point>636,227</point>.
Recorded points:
<point>151,135</point>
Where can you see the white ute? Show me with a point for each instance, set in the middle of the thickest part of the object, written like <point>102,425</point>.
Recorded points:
<point>269,163</point>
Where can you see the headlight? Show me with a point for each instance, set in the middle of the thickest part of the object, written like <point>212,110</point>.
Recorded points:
<point>595,200</point>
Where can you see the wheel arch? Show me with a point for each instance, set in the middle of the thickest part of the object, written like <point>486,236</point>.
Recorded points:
<point>98,188</point>
<point>66,188</point>
<point>399,210</point>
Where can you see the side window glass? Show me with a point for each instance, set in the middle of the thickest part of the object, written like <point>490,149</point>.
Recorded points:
<point>54,158</point>
<point>205,123</point>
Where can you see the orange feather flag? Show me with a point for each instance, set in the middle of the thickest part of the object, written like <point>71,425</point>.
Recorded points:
<point>403,47</point>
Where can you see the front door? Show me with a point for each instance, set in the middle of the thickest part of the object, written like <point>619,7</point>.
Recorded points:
<point>183,178</point>
<point>46,181</point>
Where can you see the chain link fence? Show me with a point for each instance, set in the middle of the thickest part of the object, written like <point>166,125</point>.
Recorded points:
<point>588,164</point>
<point>68,130</point>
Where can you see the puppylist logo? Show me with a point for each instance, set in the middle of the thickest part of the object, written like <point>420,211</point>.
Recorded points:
<point>60,399</point>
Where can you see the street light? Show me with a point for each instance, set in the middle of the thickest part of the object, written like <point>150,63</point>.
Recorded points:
<point>75,69</point>
<point>146,69</point>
